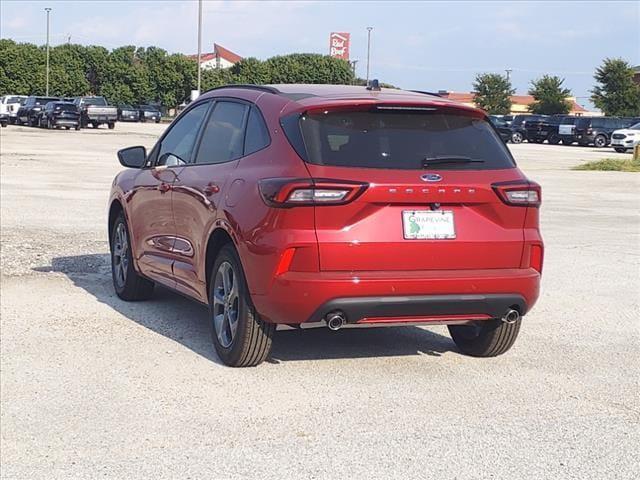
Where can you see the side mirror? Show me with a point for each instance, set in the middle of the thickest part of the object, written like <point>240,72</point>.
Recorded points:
<point>133,157</point>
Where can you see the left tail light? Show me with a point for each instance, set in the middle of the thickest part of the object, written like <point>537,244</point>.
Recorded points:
<point>519,194</point>
<point>291,192</point>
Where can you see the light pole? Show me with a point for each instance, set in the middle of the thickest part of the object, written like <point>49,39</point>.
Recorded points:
<point>368,50</point>
<point>199,42</point>
<point>508,70</point>
<point>47,69</point>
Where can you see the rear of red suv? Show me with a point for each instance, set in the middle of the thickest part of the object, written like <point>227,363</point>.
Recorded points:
<point>373,208</point>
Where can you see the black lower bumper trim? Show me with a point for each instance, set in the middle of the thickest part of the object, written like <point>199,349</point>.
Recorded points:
<point>355,309</point>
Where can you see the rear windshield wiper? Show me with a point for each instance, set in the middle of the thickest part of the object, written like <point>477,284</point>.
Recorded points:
<point>452,159</point>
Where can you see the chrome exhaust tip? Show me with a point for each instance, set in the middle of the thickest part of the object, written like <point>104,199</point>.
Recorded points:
<point>512,316</point>
<point>335,320</point>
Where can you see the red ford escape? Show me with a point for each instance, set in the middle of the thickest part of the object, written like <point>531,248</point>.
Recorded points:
<point>328,205</point>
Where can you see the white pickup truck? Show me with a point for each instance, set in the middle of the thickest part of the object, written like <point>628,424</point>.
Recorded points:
<point>95,111</point>
<point>9,105</point>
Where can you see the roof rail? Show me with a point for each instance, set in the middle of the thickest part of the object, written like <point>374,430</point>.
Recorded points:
<point>426,93</point>
<point>249,86</point>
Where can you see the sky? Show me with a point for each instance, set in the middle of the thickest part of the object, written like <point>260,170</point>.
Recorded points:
<point>414,45</point>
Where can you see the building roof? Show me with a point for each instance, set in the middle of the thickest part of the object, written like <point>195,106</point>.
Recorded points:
<point>219,52</point>
<point>228,55</point>
<point>524,100</point>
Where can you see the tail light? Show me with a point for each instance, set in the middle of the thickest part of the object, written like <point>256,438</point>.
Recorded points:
<point>519,193</point>
<point>291,192</point>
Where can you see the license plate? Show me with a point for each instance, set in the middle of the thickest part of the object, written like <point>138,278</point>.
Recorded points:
<point>428,224</point>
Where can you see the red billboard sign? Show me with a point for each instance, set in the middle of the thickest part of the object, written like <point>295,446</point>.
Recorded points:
<point>339,45</point>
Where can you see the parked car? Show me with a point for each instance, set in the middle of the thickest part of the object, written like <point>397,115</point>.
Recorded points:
<point>537,128</point>
<point>501,127</point>
<point>29,112</point>
<point>519,127</point>
<point>127,113</point>
<point>149,113</point>
<point>60,114</point>
<point>278,205</point>
<point>547,128</point>
<point>95,111</point>
<point>566,129</point>
<point>626,138</point>
<point>9,105</point>
<point>597,131</point>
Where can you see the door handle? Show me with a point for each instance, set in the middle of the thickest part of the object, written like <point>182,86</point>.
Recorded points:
<point>164,187</point>
<point>211,189</point>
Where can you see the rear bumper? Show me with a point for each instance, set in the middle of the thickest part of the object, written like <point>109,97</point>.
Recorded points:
<point>433,296</point>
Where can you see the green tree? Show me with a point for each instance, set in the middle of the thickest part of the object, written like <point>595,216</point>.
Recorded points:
<point>492,93</point>
<point>309,68</point>
<point>550,96</point>
<point>616,93</point>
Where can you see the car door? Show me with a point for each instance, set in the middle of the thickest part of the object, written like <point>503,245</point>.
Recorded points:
<point>151,219</point>
<point>200,191</point>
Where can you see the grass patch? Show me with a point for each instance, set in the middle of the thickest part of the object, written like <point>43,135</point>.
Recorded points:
<point>611,165</point>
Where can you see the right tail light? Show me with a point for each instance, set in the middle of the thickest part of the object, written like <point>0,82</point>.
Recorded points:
<point>519,194</point>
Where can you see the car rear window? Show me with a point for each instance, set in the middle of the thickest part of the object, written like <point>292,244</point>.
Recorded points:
<point>66,107</point>
<point>399,139</point>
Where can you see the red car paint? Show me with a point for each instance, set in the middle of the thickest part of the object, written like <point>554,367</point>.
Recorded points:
<point>300,258</point>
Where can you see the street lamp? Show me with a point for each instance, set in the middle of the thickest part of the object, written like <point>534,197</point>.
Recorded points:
<point>199,42</point>
<point>48,10</point>
<point>368,50</point>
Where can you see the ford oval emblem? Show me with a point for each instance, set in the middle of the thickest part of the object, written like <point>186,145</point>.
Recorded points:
<point>431,177</point>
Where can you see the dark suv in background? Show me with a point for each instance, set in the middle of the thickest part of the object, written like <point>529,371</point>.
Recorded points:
<point>149,113</point>
<point>519,126</point>
<point>29,112</point>
<point>60,114</point>
<point>598,130</point>
<point>548,128</point>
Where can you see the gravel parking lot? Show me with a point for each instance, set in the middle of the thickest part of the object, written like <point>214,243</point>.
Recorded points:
<point>95,387</point>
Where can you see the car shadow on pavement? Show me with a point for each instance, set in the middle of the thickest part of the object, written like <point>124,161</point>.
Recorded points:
<point>186,322</point>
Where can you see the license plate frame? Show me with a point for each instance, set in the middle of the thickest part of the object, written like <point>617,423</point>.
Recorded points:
<point>428,225</point>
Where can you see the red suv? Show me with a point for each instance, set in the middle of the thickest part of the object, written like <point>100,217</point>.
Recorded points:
<point>330,205</point>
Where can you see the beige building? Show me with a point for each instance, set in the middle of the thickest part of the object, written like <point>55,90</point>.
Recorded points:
<point>519,103</point>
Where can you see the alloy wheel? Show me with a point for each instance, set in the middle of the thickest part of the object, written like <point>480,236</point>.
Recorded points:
<point>225,304</point>
<point>121,254</point>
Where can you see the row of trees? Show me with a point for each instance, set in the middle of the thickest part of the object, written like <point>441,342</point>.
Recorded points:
<point>615,94</point>
<point>141,75</point>
<point>151,75</point>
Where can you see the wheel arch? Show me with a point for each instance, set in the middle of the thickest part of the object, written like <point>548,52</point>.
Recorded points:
<point>114,210</point>
<point>218,238</point>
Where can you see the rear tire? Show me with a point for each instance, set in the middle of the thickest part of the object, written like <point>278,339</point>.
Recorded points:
<point>600,141</point>
<point>620,150</point>
<point>240,337</point>
<point>553,140</point>
<point>567,142</point>
<point>112,125</point>
<point>128,284</point>
<point>517,137</point>
<point>485,339</point>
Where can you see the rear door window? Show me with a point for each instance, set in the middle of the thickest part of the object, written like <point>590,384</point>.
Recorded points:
<point>223,136</point>
<point>401,139</point>
<point>257,136</point>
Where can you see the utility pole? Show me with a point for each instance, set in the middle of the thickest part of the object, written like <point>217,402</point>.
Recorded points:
<point>368,50</point>
<point>199,43</point>
<point>508,70</point>
<point>48,10</point>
